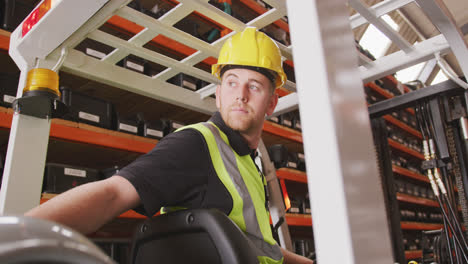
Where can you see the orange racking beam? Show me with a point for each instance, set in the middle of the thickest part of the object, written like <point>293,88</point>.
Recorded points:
<point>402,197</point>
<point>281,131</point>
<point>292,175</point>
<point>99,139</point>
<point>409,174</point>
<point>4,40</point>
<point>396,145</point>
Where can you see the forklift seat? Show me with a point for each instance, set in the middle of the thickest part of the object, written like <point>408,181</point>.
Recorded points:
<point>191,236</point>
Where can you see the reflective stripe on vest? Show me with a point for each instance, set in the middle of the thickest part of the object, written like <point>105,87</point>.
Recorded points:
<point>242,180</point>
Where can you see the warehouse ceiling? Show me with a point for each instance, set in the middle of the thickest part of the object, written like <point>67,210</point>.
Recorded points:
<point>459,10</point>
<point>416,26</point>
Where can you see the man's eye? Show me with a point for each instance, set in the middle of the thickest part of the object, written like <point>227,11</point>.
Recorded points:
<point>232,84</point>
<point>253,87</point>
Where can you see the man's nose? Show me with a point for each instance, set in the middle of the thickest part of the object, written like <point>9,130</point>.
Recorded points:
<point>243,93</point>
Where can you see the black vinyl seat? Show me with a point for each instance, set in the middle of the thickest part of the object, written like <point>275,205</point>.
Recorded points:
<point>191,236</point>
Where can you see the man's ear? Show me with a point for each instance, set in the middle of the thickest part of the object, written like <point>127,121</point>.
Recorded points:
<point>218,100</point>
<point>272,104</point>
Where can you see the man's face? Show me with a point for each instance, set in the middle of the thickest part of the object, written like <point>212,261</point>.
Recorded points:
<point>244,98</point>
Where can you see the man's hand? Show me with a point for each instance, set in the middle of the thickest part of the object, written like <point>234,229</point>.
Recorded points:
<point>293,258</point>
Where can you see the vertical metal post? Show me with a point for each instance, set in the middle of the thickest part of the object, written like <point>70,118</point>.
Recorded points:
<point>346,198</point>
<point>25,160</point>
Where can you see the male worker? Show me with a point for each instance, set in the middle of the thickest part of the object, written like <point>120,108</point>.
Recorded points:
<point>206,165</point>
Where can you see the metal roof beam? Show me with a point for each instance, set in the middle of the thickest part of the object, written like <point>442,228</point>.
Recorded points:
<point>427,71</point>
<point>444,21</point>
<point>370,15</point>
<point>399,60</point>
<point>379,10</point>
<point>386,65</point>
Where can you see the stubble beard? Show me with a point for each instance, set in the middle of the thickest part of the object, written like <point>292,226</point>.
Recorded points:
<point>242,123</point>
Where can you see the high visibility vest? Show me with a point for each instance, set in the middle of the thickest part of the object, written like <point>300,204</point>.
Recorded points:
<point>243,182</point>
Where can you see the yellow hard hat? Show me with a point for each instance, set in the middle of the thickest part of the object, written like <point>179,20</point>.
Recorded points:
<point>251,48</point>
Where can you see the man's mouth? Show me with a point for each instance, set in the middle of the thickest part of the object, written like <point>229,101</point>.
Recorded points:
<point>239,109</point>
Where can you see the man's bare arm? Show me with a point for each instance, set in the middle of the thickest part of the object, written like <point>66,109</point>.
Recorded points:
<point>293,258</point>
<point>87,207</point>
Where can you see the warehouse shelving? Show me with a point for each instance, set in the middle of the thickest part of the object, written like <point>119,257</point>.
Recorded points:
<point>283,132</point>
<point>4,39</point>
<point>413,254</point>
<point>416,200</point>
<point>386,94</point>
<point>292,175</point>
<point>402,125</point>
<point>298,220</point>
<point>409,174</point>
<point>402,148</point>
<point>79,132</point>
<point>420,226</point>
<point>196,52</point>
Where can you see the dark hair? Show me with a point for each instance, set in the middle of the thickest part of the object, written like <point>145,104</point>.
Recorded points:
<point>269,74</point>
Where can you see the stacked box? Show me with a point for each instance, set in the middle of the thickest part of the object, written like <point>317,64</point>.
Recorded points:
<point>129,125</point>
<point>59,178</point>
<point>282,158</point>
<point>171,126</point>
<point>153,129</point>
<point>8,88</point>
<point>109,172</point>
<point>87,109</point>
<point>186,81</point>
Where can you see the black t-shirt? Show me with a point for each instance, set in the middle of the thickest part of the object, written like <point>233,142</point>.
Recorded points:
<point>179,172</point>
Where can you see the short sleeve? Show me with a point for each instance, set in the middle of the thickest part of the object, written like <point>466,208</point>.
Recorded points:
<point>173,173</point>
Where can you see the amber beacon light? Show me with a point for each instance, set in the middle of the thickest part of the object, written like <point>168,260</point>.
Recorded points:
<point>41,80</point>
<point>41,95</point>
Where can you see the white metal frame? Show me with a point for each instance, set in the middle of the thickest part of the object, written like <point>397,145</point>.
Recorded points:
<point>340,176</point>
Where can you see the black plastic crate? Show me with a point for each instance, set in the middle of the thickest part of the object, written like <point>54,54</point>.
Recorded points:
<point>8,88</point>
<point>288,120</point>
<point>296,206</point>
<point>276,119</point>
<point>109,172</point>
<point>186,81</point>
<point>305,206</point>
<point>59,178</point>
<point>292,161</point>
<point>301,165</point>
<point>87,109</point>
<point>128,125</point>
<point>280,156</point>
<point>171,126</point>
<point>297,124</point>
<point>153,129</point>
<point>134,63</point>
